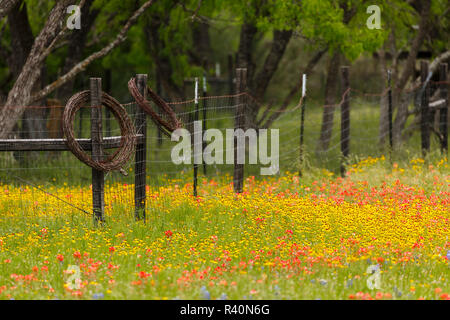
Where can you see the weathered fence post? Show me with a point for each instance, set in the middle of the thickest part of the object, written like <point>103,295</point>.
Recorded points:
<point>80,123</point>
<point>424,110</point>
<point>80,113</point>
<point>141,153</point>
<point>98,181</point>
<point>241,86</point>
<point>205,106</point>
<point>390,110</point>
<point>302,122</point>
<point>345,118</point>
<point>443,112</point>
<point>196,133</point>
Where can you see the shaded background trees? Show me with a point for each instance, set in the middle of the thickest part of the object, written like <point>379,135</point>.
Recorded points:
<point>173,40</point>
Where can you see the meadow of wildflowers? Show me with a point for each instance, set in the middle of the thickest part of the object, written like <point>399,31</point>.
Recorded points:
<point>380,233</point>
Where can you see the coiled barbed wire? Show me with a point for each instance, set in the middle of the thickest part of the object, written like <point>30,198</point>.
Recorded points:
<point>167,127</point>
<point>127,142</point>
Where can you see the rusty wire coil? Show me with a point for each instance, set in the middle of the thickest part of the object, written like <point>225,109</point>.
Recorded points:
<point>167,127</point>
<point>127,142</point>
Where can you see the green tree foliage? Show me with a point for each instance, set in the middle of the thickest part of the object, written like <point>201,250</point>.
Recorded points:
<point>318,24</point>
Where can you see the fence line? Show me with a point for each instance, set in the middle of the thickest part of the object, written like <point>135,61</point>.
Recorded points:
<point>225,111</point>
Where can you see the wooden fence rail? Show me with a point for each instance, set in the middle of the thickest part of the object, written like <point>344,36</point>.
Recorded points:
<point>97,144</point>
<point>57,144</point>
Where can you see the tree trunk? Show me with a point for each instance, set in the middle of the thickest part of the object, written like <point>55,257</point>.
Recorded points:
<point>408,71</point>
<point>246,46</point>
<point>202,44</point>
<point>163,67</point>
<point>6,6</point>
<point>279,44</point>
<point>21,38</point>
<point>258,83</point>
<point>331,88</point>
<point>31,71</point>
<point>22,92</point>
<point>383,132</point>
<point>262,122</point>
<point>75,49</point>
<point>33,120</point>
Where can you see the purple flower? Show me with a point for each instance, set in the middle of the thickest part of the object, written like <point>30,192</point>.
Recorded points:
<point>349,283</point>
<point>206,294</point>
<point>223,297</point>
<point>97,296</point>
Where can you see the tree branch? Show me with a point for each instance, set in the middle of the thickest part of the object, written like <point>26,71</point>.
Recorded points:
<point>58,37</point>
<point>434,65</point>
<point>101,53</point>
<point>308,70</point>
<point>279,44</point>
<point>415,46</point>
<point>6,6</point>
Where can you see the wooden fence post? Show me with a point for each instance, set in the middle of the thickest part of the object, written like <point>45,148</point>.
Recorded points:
<point>443,112</point>
<point>141,153</point>
<point>345,118</point>
<point>424,110</point>
<point>98,181</point>
<point>81,112</point>
<point>241,86</point>
<point>205,106</point>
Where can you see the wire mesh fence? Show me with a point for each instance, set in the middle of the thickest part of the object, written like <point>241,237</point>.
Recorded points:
<point>56,176</point>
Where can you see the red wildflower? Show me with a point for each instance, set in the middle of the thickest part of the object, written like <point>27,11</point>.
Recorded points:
<point>445,296</point>
<point>168,233</point>
<point>60,257</point>
<point>143,274</point>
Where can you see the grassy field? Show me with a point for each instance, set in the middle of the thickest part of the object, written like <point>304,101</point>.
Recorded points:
<point>380,233</point>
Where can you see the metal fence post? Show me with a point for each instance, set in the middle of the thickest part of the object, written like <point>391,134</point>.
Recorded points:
<point>205,106</point>
<point>443,112</point>
<point>345,118</point>
<point>302,122</point>
<point>196,134</point>
<point>141,153</point>
<point>98,181</point>
<point>424,111</point>
<point>241,86</point>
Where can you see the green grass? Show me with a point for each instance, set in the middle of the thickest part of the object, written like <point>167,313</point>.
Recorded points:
<point>24,244</point>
